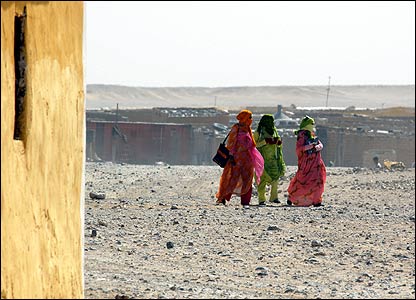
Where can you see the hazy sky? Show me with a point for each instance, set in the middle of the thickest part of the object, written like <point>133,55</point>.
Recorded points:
<point>218,44</point>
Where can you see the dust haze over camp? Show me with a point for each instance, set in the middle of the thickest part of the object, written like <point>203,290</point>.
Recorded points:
<point>263,55</point>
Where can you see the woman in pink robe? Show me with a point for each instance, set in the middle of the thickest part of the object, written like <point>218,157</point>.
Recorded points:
<point>237,177</point>
<point>307,187</point>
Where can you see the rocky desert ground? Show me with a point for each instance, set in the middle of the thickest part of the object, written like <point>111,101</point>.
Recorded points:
<point>158,234</point>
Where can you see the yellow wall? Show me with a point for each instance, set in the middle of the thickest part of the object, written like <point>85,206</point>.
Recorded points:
<point>42,175</point>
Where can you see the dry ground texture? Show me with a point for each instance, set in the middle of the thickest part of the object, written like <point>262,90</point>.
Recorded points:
<point>158,234</point>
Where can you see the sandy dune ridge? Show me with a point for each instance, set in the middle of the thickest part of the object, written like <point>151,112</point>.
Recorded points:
<point>360,96</point>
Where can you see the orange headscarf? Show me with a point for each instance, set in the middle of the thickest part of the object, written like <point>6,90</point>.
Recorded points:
<point>245,120</point>
<point>244,117</point>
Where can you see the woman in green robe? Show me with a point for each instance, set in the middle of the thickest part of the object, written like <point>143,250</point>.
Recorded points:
<point>269,145</point>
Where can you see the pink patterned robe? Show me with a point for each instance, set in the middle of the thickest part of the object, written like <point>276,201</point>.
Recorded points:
<point>307,187</point>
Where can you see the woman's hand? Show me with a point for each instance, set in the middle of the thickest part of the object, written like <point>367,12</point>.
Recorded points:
<point>308,147</point>
<point>319,147</point>
<point>273,141</point>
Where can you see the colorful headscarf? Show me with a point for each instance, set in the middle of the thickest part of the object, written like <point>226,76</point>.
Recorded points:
<point>245,120</point>
<point>307,123</point>
<point>245,117</point>
<point>267,122</point>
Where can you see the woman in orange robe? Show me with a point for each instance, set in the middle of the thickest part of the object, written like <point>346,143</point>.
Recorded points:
<point>237,176</point>
<point>307,187</point>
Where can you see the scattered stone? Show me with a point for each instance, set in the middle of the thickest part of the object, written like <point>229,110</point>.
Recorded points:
<point>97,195</point>
<point>316,243</point>
<point>273,227</point>
<point>262,271</point>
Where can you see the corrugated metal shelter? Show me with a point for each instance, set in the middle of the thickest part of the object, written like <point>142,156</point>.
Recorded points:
<point>142,143</point>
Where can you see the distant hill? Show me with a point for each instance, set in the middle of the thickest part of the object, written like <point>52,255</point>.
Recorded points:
<point>360,96</point>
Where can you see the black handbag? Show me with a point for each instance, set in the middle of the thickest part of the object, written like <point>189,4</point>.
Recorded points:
<point>223,154</point>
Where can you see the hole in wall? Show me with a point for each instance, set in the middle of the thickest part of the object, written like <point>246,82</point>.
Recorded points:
<point>20,66</point>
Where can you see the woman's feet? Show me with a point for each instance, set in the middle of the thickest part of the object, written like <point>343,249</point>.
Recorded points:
<point>219,202</point>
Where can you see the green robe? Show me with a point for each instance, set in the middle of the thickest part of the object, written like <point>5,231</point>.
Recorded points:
<point>274,165</point>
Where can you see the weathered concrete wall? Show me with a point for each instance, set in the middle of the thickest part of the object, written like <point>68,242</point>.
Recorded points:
<point>348,149</point>
<point>41,175</point>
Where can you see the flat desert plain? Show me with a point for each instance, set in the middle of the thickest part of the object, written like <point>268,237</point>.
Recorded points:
<point>158,234</point>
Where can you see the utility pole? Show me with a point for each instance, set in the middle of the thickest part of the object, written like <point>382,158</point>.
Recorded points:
<point>117,115</point>
<point>114,138</point>
<point>327,90</point>
<point>215,101</point>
